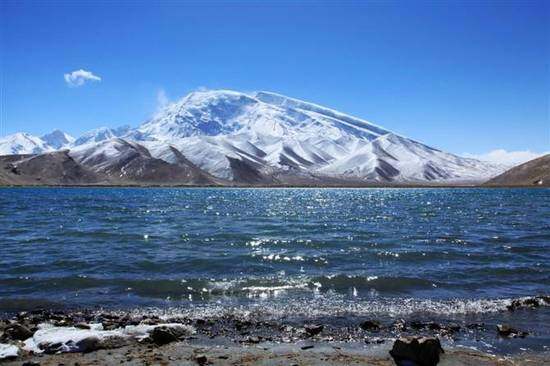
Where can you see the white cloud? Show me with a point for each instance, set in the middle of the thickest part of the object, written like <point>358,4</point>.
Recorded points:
<point>162,99</point>
<point>80,77</point>
<point>162,102</point>
<point>509,158</point>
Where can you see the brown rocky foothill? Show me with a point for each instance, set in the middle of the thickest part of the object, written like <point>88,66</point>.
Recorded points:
<point>535,172</point>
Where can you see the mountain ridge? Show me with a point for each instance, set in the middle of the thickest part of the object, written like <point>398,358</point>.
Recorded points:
<point>267,137</point>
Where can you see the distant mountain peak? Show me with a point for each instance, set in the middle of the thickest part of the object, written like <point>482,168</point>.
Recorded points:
<point>22,143</point>
<point>58,139</point>
<point>101,134</point>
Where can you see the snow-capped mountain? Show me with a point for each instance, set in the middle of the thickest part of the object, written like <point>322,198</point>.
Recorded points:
<point>23,143</point>
<point>269,138</point>
<point>271,133</point>
<point>58,139</point>
<point>101,134</point>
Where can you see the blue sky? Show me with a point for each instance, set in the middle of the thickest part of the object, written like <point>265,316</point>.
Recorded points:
<point>466,77</point>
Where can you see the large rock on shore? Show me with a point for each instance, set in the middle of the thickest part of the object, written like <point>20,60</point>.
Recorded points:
<point>504,330</point>
<point>164,334</point>
<point>84,345</point>
<point>371,325</point>
<point>313,329</point>
<point>88,344</point>
<point>529,302</point>
<point>16,331</point>
<point>420,351</point>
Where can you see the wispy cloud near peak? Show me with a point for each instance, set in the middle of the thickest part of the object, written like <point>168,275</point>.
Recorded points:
<point>162,99</point>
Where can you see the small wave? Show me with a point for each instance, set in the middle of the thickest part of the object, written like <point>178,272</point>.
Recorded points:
<point>208,287</point>
<point>337,306</point>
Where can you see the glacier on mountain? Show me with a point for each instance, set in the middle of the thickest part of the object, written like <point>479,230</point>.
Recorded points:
<point>271,132</point>
<point>266,137</point>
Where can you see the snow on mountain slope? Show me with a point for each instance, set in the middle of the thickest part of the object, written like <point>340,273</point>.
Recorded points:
<point>99,156</point>
<point>199,113</point>
<point>393,157</point>
<point>58,139</point>
<point>266,137</point>
<point>209,154</point>
<point>210,126</point>
<point>273,132</point>
<point>419,162</point>
<point>23,143</point>
<point>352,124</point>
<point>101,134</point>
<point>125,161</point>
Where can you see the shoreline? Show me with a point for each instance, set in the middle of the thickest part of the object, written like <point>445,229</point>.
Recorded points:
<point>86,337</point>
<point>275,186</point>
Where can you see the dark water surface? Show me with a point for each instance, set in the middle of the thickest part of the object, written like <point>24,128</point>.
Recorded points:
<point>452,253</point>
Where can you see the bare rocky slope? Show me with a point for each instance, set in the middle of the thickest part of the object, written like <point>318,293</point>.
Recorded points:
<point>133,165</point>
<point>535,172</point>
<point>56,168</point>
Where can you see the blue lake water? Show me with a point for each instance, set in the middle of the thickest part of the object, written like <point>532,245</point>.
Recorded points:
<point>316,252</point>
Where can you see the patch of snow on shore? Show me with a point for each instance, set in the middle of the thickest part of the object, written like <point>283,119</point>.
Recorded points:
<point>68,337</point>
<point>8,350</point>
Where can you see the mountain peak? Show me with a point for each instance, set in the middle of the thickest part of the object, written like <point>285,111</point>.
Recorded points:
<point>216,93</point>
<point>22,143</point>
<point>208,112</point>
<point>102,134</point>
<point>58,139</point>
<point>210,98</point>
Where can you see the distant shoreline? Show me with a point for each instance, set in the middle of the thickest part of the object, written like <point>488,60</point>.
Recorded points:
<point>239,186</point>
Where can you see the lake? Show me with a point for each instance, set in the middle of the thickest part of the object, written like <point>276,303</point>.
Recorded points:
<point>459,254</point>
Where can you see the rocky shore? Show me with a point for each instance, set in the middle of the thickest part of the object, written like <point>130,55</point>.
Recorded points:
<point>116,337</point>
